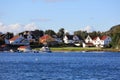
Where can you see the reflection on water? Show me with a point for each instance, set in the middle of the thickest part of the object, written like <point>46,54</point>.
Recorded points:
<point>60,66</point>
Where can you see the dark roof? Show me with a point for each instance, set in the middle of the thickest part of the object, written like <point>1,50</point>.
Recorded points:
<point>70,37</point>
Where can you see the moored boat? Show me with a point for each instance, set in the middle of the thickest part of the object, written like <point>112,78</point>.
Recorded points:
<point>45,49</point>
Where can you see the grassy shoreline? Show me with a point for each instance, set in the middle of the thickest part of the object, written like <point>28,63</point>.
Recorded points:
<point>68,49</point>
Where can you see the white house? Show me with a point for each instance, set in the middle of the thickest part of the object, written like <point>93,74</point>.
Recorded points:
<point>88,39</point>
<point>105,40</point>
<point>71,39</point>
<point>97,41</point>
<point>67,40</point>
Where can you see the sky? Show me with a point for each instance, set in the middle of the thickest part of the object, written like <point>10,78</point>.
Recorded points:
<point>72,15</point>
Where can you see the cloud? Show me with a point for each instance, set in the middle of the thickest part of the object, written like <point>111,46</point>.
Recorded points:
<point>30,27</point>
<point>16,28</point>
<point>88,29</point>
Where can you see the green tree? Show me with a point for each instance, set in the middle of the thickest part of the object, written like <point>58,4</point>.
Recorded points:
<point>50,32</point>
<point>116,40</point>
<point>81,34</point>
<point>2,41</point>
<point>9,35</point>
<point>38,33</point>
<point>61,33</point>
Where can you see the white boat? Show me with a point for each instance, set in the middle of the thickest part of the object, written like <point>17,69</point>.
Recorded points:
<point>45,49</point>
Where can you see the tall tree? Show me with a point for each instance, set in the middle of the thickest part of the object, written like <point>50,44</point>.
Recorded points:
<point>50,32</point>
<point>61,33</point>
<point>81,34</point>
<point>116,40</point>
<point>2,41</point>
<point>9,35</point>
<point>38,33</point>
<point>96,33</point>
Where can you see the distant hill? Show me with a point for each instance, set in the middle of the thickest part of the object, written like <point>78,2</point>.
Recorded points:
<point>114,32</point>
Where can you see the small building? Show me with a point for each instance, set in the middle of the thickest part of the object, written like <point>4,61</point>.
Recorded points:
<point>72,39</point>
<point>48,40</point>
<point>15,39</point>
<point>68,39</point>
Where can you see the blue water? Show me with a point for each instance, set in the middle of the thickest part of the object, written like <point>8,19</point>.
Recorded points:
<point>60,66</point>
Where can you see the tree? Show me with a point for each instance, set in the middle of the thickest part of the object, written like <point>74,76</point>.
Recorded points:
<point>50,32</point>
<point>35,34</point>
<point>2,41</point>
<point>81,34</point>
<point>9,35</point>
<point>116,40</point>
<point>96,33</point>
<point>61,33</point>
<point>38,33</point>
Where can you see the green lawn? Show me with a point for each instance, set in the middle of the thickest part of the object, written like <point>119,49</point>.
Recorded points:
<point>79,49</point>
<point>75,49</point>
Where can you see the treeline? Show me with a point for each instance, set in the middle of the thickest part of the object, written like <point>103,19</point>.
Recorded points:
<point>114,33</point>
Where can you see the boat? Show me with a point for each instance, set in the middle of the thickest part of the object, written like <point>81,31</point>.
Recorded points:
<point>45,49</point>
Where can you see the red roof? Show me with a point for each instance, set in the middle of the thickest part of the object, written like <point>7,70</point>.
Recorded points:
<point>103,37</point>
<point>45,37</point>
<point>14,38</point>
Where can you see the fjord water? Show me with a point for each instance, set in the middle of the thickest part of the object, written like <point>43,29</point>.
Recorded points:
<point>60,66</point>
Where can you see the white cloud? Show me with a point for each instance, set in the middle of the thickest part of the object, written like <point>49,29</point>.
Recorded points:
<point>16,28</point>
<point>30,27</point>
<point>88,29</point>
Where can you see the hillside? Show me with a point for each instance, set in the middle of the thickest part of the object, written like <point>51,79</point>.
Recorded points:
<point>114,32</point>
